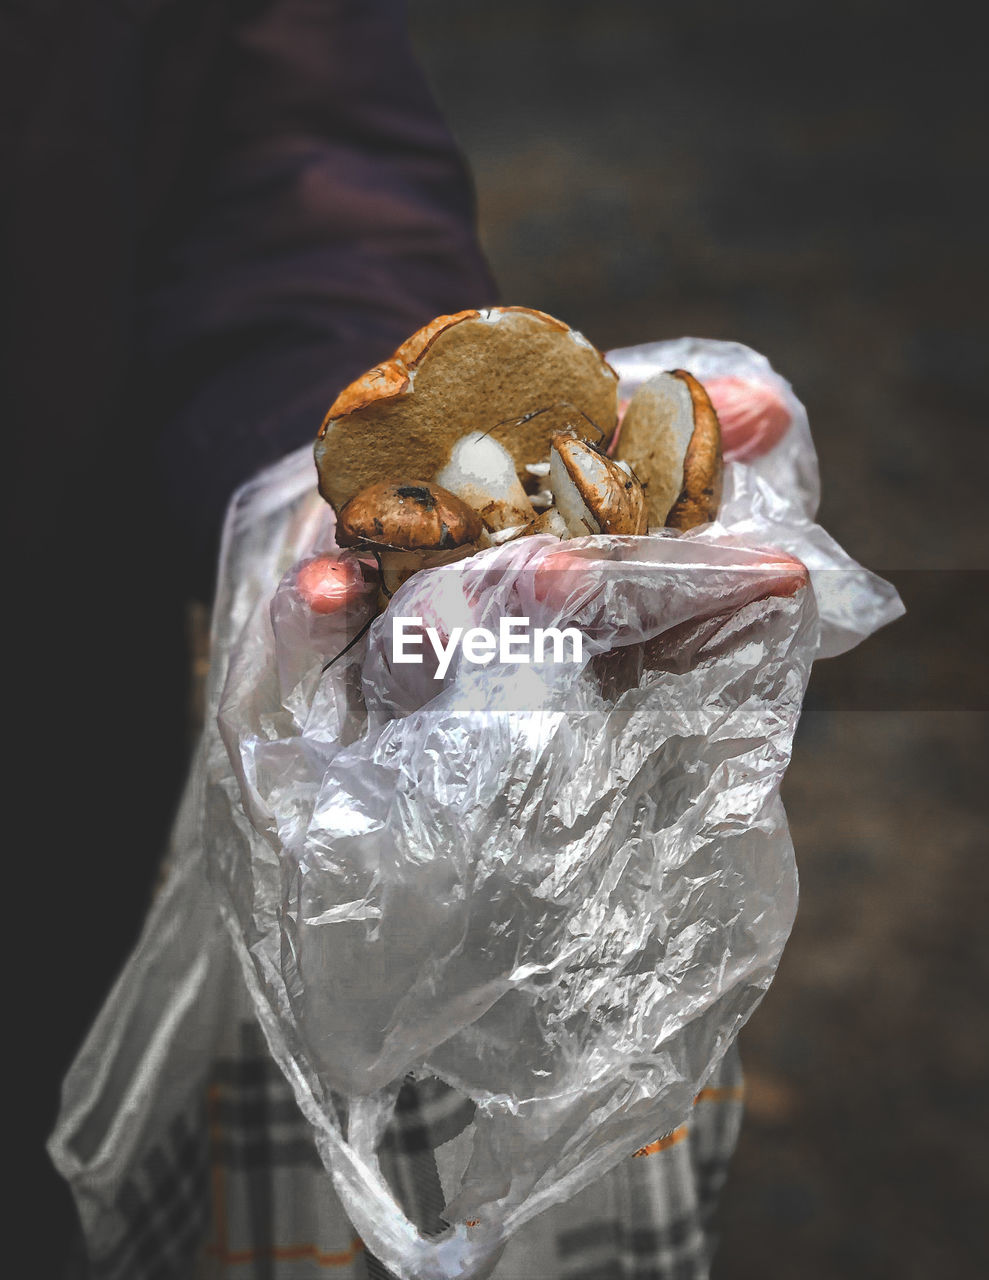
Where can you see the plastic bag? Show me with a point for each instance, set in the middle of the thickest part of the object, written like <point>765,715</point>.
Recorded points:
<point>562,887</point>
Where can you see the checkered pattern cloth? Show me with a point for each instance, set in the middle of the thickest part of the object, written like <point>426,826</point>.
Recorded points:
<point>234,1188</point>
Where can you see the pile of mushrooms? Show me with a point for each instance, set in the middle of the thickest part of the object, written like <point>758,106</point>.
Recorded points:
<point>488,426</point>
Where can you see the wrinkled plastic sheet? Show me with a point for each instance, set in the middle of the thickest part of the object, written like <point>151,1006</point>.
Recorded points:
<point>563,887</point>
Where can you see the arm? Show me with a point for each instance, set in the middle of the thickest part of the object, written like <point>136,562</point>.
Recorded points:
<point>317,213</point>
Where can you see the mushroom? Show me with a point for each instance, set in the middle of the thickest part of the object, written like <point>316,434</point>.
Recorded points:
<point>594,494</point>
<point>549,521</point>
<point>671,438</point>
<point>408,525</point>
<point>516,374</point>
<point>482,473</point>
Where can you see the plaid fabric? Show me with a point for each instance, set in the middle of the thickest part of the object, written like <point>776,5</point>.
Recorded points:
<point>165,1209</point>
<point>235,1188</point>
<point>652,1217</point>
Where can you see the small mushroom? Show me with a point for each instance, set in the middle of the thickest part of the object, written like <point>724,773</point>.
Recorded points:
<point>703,467</point>
<point>594,494</point>
<point>549,522</point>
<point>482,473</point>
<point>409,525</point>
<point>671,438</point>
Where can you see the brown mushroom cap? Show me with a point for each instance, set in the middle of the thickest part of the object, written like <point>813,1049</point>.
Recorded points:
<point>614,498</point>
<point>467,372</point>
<point>671,438</point>
<point>700,497</point>
<point>399,515</point>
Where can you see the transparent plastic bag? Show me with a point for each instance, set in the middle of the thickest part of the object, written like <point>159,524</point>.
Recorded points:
<point>561,888</point>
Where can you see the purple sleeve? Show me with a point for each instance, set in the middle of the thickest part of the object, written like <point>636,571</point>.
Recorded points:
<point>215,214</point>
<point>323,214</point>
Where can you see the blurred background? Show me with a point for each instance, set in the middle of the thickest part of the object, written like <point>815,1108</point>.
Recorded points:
<point>809,180</point>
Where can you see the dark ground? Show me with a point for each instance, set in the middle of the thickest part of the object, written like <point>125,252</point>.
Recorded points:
<point>809,181</point>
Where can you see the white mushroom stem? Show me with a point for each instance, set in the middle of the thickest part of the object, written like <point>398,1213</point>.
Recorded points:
<point>481,472</point>
<point>499,536</point>
<point>549,522</point>
<point>546,522</point>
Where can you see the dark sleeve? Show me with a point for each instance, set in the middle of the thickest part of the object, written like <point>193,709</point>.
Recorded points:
<point>215,213</point>
<point>316,214</point>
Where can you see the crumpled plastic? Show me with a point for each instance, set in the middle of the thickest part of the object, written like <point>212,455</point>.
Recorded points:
<point>560,887</point>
